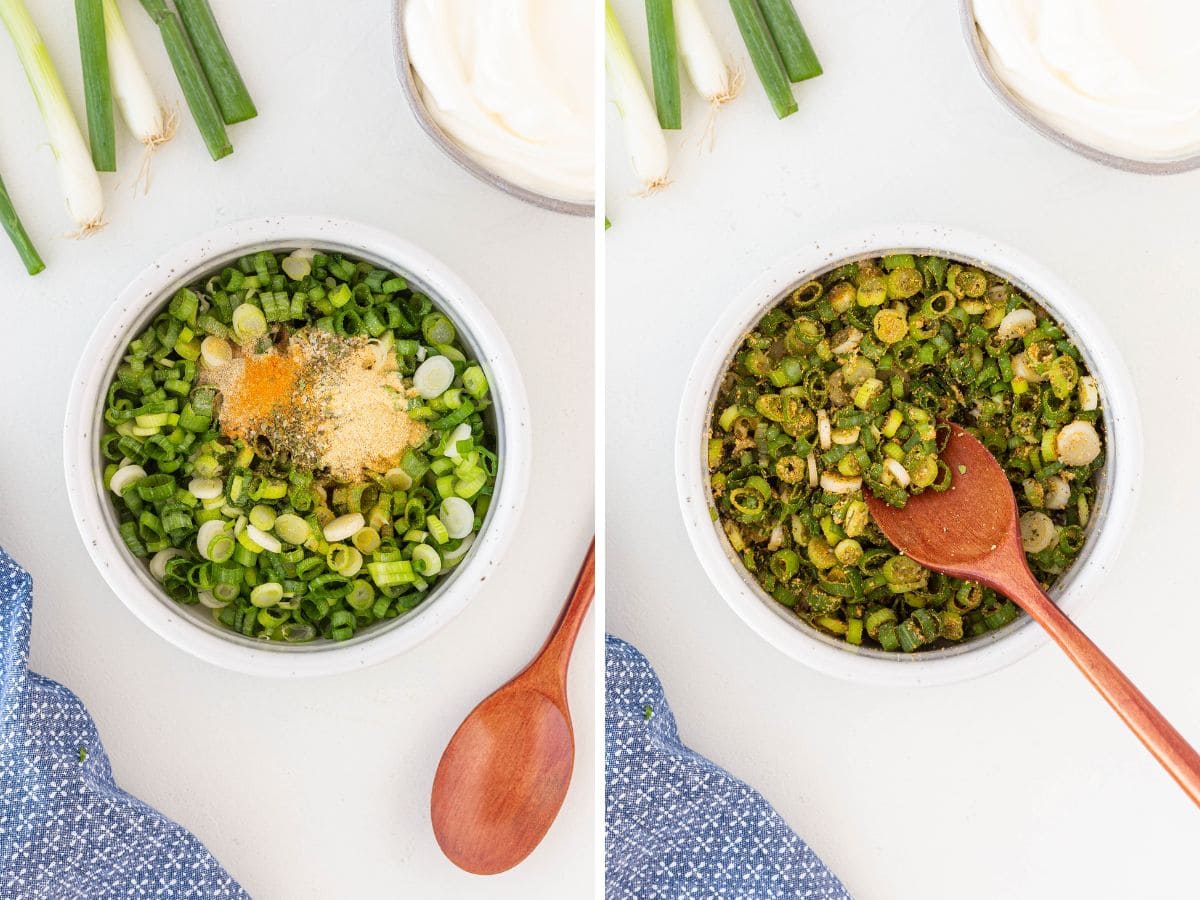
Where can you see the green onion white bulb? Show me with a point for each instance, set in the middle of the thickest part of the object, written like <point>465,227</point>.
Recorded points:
<point>77,174</point>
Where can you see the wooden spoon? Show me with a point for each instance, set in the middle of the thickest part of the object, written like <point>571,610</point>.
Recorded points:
<point>503,777</point>
<point>972,531</point>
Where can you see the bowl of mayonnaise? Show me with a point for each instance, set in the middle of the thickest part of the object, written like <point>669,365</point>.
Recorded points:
<point>1115,81</point>
<point>505,89</point>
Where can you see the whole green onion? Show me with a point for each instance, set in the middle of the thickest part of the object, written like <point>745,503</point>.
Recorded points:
<point>644,139</point>
<point>80,183</point>
<point>664,62</point>
<point>140,107</point>
<point>219,67</point>
<point>765,56</point>
<point>97,87</point>
<point>799,58</point>
<point>196,89</point>
<point>18,235</point>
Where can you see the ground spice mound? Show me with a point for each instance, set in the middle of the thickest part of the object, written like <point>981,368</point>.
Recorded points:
<point>258,385</point>
<point>326,402</point>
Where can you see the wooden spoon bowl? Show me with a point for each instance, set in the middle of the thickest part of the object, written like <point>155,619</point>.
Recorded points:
<point>504,775</point>
<point>972,531</point>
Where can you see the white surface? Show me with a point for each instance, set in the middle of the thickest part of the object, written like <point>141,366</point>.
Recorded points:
<point>1020,784</point>
<point>779,626</point>
<point>191,628</point>
<point>315,788</point>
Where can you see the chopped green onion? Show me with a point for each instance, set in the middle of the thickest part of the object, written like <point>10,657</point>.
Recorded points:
<point>765,56</point>
<point>840,388</point>
<point>196,89</point>
<point>17,234</point>
<point>267,594</point>
<point>475,382</point>
<point>799,58</point>
<point>219,68</point>
<point>97,87</point>
<point>664,62</point>
<point>249,323</point>
<point>361,596</point>
<point>275,551</point>
<point>433,377</point>
<point>344,527</point>
<point>426,561</point>
<point>291,528</point>
<point>262,517</point>
<point>256,537</point>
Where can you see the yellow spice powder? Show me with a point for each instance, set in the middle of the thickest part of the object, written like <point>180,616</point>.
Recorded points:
<point>329,403</point>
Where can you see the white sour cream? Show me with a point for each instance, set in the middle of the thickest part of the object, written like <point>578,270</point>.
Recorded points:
<point>1120,75</point>
<point>510,81</point>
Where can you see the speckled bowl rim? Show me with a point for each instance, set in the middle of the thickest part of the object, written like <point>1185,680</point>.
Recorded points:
<point>412,94</point>
<point>786,631</point>
<point>1126,164</point>
<point>190,627</point>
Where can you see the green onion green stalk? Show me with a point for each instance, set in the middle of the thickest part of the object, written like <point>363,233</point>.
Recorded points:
<point>795,49</point>
<point>664,63</point>
<point>17,234</point>
<point>219,68</point>
<point>97,86</point>
<point>764,54</point>
<point>196,90</point>
<point>842,387</point>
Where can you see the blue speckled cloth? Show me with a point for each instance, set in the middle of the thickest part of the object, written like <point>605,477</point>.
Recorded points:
<point>678,826</point>
<point>66,830</point>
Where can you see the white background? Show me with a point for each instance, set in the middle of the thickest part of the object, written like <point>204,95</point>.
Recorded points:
<point>315,788</point>
<point>1020,784</point>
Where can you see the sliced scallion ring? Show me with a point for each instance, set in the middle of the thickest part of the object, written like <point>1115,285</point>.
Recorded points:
<point>458,516</point>
<point>426,560</point>
<point>433,377</point>
<point>124,477</point>
<point>249,323</point>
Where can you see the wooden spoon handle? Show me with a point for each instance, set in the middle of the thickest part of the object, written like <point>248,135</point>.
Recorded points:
<point>554,657</point>
<point>1160,737</point>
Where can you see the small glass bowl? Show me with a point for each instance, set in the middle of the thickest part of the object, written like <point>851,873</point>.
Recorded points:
<point>1018,108</point>
<point>412,93</point>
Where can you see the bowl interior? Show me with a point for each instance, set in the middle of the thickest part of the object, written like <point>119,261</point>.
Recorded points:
<point>412,93</point>
<point>1031,118</point>
<point>198,614</point>
<point>1064,582</point>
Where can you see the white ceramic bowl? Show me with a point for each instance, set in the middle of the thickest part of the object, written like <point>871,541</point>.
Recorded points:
<point>1118,482</point>
<point>191,627</point>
